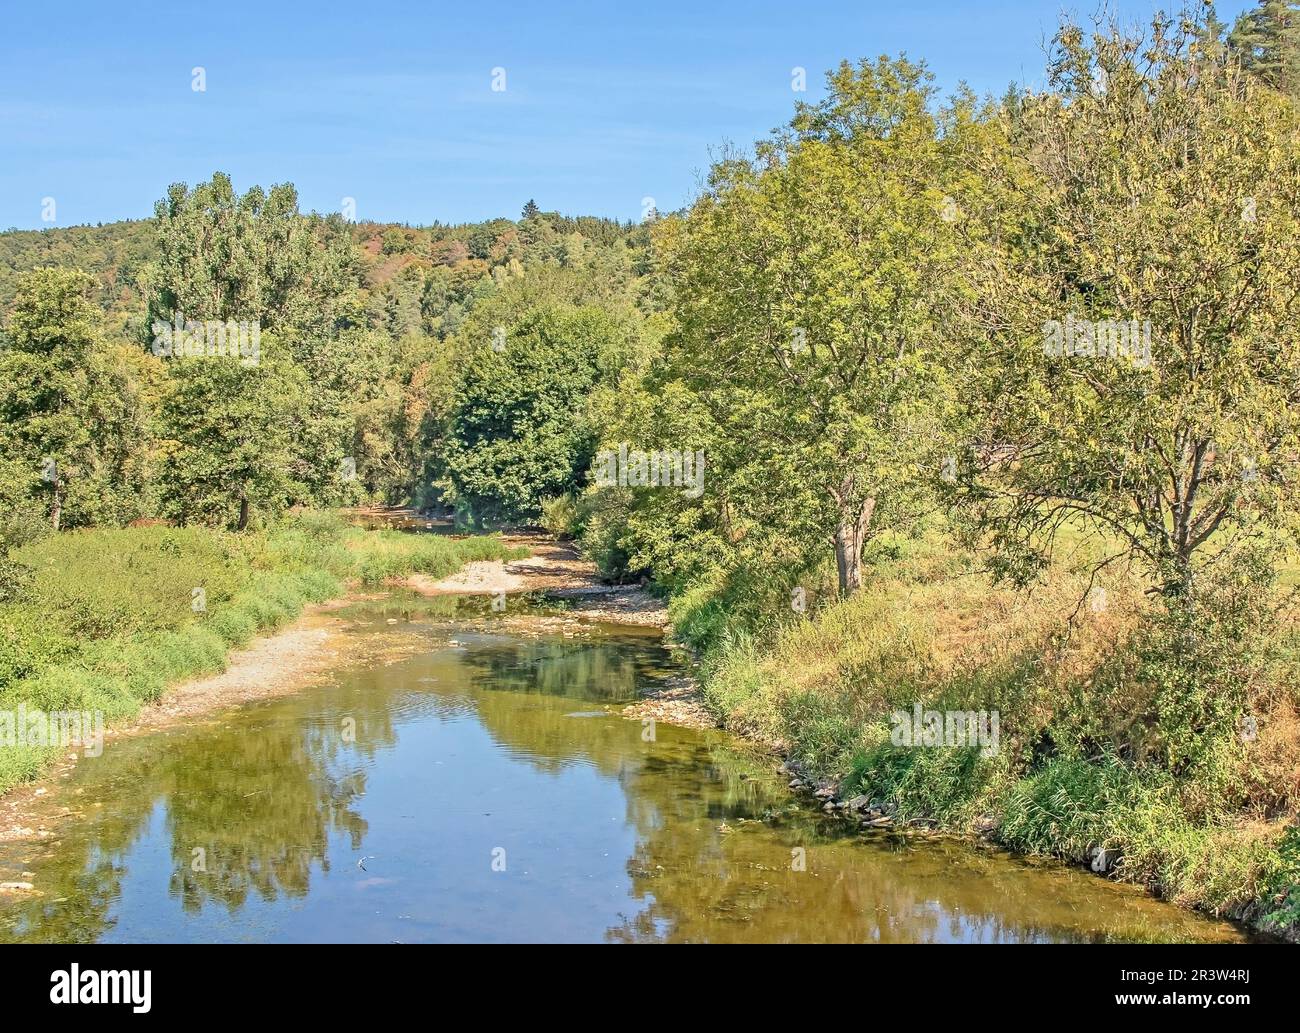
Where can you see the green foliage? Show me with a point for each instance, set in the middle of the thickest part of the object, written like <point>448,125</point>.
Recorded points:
<point>1284,902</point>
<point>1134,743</point>
<point>943,785</point>
<point>740,603</point>
<point>1067,808</point>
<point>812,287</point>
<point>69,430</point>
<point>380,555</point>
<point>94,584</point>
<point>1071,807</point>
<point>230,436</point>
<point>518,432</point>
<point>113,253</point>
<point>1201,656</point>
<point>362,312</point>
<point>637,531</point>
<point>701,617</point>
<point>560,516</point>
<point>1266,40</point>
<point>22,515</point>
<point>252,257</point>
<point>1174,451</point>
<point>30,642</point>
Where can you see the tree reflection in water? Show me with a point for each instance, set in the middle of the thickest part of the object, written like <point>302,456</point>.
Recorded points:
<point>529,729</point>
<point>259,796</point>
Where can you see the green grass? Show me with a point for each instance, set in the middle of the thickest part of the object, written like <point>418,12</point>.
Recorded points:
<point>379,555</point>
<point>107,619</point>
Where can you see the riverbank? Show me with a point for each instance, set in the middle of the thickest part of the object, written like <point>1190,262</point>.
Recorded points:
<point>805,693</point>
<point>315,646</point>
<point>1077,765</point>
<point>296,649</point>
<point>101,624</point>
<point>556,570</point>
<point>364,809</point>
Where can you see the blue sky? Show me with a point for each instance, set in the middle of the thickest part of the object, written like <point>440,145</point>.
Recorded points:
<point>392,104</point>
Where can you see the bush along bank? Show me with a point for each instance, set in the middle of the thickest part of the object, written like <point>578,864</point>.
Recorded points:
<point>1152,741</point>
<point>96,623</point>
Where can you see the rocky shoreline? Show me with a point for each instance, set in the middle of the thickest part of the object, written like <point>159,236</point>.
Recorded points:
<point>871,813</point>
<point>861,809</point>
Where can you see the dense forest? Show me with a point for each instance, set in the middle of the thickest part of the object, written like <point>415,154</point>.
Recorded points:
<point>362,334</point>
<point>997,402</point>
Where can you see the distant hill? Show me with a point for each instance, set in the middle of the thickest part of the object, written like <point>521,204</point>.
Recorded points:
<point>112,252</point>
<point>397,260</point>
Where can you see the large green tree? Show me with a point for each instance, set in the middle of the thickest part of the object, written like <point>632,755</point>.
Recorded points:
<point>1266,40</point>
<point>255,261</point>
<point>1154,187</point>
<point>67,413</point>
<point>811,285</point>
<point>230,431</point>
<point>519,430</point>
<point>223,255</point>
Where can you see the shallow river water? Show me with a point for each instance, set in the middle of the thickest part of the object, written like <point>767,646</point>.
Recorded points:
<point>490,790</point>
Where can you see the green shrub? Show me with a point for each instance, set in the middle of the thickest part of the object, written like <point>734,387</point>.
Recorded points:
<point>1200,653</point>
<point>1066,808</point>
<point>943,784</point>
<point>29,642</point>
<point>1282,899</point>
<point>380,555</point>
<point>97,583</point>
<point>560,516</point>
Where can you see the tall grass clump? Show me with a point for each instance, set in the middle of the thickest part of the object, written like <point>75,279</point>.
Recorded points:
<point>377,556</point>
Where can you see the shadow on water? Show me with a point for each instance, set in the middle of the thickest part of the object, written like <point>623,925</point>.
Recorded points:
<point>490,790</point>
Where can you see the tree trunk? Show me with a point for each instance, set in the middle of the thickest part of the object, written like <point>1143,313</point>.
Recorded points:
<point>1178,583</point>
<point>849,538</point>
<point>243,515</point>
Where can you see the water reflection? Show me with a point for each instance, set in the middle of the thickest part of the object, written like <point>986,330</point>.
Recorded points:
<point>372,808</point>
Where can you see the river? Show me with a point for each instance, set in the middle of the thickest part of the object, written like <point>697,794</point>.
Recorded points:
<point>485,787</point>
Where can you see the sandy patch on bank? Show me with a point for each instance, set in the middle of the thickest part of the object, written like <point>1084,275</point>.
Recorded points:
<point>273,665</point>
<point>558,571</point>
<point>481,577</point>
